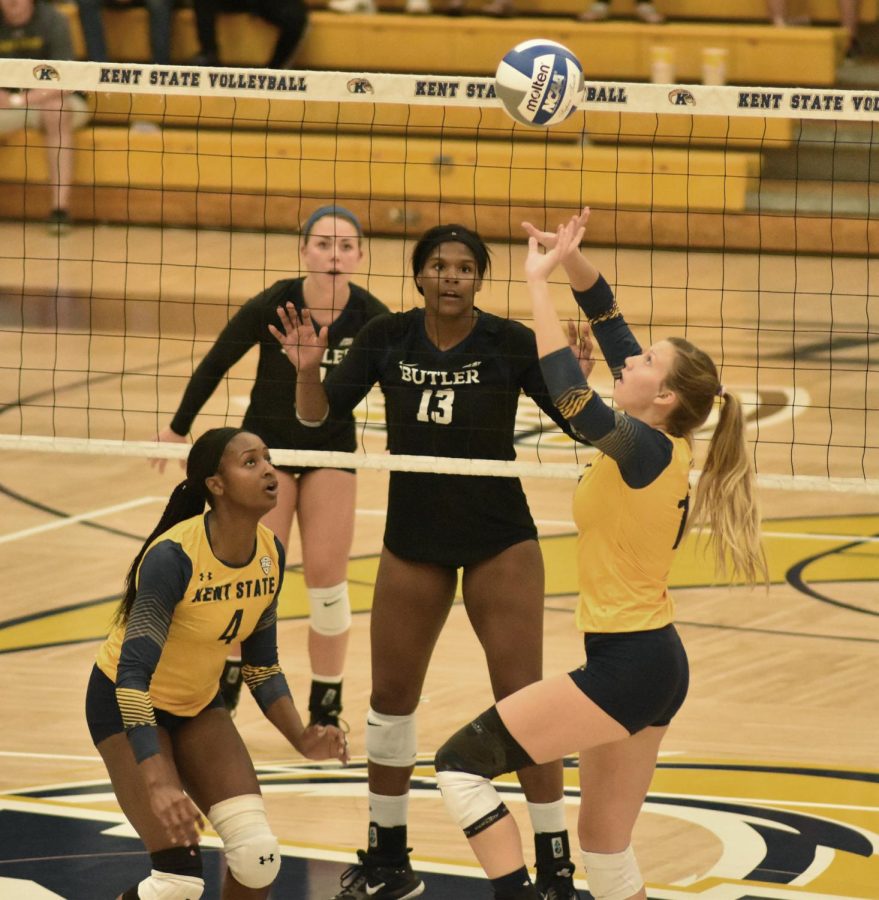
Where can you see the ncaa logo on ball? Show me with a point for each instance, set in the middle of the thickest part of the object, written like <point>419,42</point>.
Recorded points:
<point>539,82</point>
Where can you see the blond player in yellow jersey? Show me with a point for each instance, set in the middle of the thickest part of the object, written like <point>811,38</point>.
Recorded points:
<point>631,512</point>
<point>201,581</point>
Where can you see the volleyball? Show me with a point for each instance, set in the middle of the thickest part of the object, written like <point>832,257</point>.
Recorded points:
<point>539,82</point>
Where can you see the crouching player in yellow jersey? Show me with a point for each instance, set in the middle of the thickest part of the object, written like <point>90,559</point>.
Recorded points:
<point>630,508</point>
<point>201,581</point>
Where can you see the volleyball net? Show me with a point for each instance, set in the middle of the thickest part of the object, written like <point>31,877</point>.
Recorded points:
<point>741,218</point>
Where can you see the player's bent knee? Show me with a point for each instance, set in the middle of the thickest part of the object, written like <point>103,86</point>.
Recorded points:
<point>252,851</point>
<point>175,875</point>
<point>612,876</point>
<point>330,609</point>
<point>484,747</point>
<point>471,801</point>
<point>391,740</point>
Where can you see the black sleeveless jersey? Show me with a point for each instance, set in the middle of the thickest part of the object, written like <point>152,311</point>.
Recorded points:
<point>459,402</point>
<point>272,410</point>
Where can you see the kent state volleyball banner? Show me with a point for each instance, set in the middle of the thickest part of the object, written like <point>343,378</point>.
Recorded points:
<point>438,90</point>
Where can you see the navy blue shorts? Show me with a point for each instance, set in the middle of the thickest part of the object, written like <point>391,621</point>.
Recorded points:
<point>639,678</point>
<point>103,715</point>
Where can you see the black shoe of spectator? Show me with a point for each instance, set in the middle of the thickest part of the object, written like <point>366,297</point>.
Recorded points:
<point>59,221</point>
<point>204,59</point>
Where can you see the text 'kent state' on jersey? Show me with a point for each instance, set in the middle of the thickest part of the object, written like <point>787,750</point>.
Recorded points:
<point>189,609</point>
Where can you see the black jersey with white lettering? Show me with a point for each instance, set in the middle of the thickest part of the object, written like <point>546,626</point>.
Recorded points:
<point>271,413</point>
<point>459,402</point>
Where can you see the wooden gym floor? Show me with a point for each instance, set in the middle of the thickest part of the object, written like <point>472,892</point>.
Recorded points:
<point>769,782</point>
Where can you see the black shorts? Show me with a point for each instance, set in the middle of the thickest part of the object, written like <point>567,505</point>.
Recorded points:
<point>455,520</point>
<point>639,678</point>
<point>304,470</point>
<point>104,718</point>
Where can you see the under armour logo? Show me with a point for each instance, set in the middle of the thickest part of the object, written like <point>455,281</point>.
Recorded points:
<point>267,859</point>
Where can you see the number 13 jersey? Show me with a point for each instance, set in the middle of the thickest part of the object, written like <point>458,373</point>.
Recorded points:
<point>459,402</point>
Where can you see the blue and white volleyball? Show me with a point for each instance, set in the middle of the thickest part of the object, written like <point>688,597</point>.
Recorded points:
<point>539,82</point>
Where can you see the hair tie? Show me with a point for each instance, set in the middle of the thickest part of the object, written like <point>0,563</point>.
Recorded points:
<point>721,391</point>
<point>334,211</point>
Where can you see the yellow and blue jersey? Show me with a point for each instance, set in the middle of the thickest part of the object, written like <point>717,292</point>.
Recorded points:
<point>631,503</point>
<point>189,607</point>
<point>626,543</point>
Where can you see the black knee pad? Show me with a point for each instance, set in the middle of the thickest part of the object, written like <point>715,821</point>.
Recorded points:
<point>178,861</point>
<point>484,747</point>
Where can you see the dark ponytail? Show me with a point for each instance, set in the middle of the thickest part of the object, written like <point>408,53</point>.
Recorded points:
<point>187,500</point>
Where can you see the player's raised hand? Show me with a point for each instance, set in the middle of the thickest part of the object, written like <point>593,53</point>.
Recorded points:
<point>167,436</point>
<point>548,239</point>
<point>580,341</point>
<point>303,345</point>
<point>539,266</point>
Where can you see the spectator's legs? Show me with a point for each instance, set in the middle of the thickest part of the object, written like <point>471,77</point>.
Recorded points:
<point>160,12</point>
<point>206,26</point>
<point>56,123</point>
<point>848,17</point>
<point>93,29</point>
<point>291,17</point>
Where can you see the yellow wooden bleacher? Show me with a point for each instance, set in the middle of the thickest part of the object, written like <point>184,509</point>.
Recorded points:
<point>618,50</point>
<point>247,163</point>
<point>180,111</point>
<point>675,10</point>
<point>371,168</point>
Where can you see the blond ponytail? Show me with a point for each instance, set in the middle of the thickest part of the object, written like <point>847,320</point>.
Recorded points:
<point>727,501</point>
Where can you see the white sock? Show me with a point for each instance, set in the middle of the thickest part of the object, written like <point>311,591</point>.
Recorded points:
<point>548,817</point>
<point>388,812</point>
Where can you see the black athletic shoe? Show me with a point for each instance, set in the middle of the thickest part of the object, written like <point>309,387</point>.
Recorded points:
<point>230,683</point>
<point>557,884</point>
<point>366,880</point>
<point>59,221</point>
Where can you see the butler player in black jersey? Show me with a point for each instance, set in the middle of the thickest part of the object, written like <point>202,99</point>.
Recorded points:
<point>323,499</point>
<point>451,375</point>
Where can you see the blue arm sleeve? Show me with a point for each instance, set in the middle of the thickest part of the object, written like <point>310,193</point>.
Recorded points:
<point>640,451</point>
<point>534,385</point>
<point>162,578</point>
<point>608,325</point>
<point>259,653</point>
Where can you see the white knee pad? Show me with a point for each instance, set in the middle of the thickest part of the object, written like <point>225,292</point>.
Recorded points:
<point>330,609</point>
<point>168,886</point>
<point>252,851</point>
<point>612,876</point>
<point>390,740</point>
<point>471,800</point>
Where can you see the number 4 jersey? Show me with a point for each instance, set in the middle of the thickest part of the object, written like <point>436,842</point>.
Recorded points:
<point>459,402</point>
<point>190,606</point>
